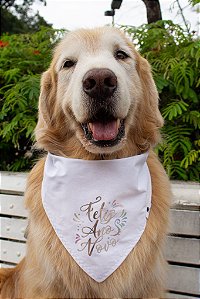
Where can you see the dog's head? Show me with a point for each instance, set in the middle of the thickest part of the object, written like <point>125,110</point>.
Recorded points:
<point>98,94</point>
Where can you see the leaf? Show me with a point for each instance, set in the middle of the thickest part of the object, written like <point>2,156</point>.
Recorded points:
<point>12,75</point>
<point>193,118</point>
<point>192,95</point>
<point>190,158</point>
<point>173,109</point>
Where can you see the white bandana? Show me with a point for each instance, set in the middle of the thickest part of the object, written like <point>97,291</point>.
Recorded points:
<point>98,209</point>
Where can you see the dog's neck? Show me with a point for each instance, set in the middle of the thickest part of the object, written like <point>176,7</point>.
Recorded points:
<point>82,153</point>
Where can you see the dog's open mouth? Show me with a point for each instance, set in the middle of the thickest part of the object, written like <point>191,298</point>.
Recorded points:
<point>104,133</point>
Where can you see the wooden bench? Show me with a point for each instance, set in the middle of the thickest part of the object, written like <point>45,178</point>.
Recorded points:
<point>182,248</point>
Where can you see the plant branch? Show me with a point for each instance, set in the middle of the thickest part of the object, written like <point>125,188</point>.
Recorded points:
<point>183,17</point>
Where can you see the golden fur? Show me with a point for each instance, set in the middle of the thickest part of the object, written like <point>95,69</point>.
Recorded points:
<point>48,271</point>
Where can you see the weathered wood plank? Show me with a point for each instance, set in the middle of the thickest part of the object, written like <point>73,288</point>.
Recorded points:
<point>2,265</point>
<point>183,279</point>
<point>11,251</point>
<point>182,250</point>
<point>12,205</point>
<point>176,250</point>
<point>12,181</point>
<point>185,193</point>
<point>12,228</point>
<point>178,296</point>
<point>184,222</point>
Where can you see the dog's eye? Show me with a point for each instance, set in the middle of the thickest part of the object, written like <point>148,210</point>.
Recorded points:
<point>68,63</point>
<point>121,55</point>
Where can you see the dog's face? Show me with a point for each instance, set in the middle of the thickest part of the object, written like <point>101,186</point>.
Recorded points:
<point>100,92</point>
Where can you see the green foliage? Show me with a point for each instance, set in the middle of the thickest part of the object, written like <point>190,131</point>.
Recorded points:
<point>18,17</point>
<point>174,56</point>
<point>22,60</point>
<point>174,108</point>
<point>194,2</point>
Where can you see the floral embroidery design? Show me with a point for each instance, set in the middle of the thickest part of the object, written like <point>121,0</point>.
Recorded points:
<point>99,227</point>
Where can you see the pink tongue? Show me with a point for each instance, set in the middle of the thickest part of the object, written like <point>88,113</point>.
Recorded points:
<point>106,131</point>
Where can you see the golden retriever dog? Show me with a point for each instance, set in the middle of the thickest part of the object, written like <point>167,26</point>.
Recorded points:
<point>98,101</point>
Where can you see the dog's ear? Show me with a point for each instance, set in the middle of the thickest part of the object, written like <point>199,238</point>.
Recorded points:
<point>147,116</point>
<point>47,102</point>
<point>47,99</point>
<point>150,102</point>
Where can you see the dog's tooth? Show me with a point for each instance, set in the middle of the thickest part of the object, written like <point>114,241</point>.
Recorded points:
<point>90,125</point>
<point>118,123</point>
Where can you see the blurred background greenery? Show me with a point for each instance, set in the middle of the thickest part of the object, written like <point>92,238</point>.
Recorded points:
<point>173,52</point>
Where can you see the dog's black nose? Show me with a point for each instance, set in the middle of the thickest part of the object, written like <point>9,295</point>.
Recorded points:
<point>99,83</point>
